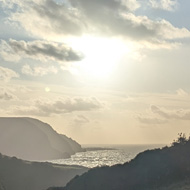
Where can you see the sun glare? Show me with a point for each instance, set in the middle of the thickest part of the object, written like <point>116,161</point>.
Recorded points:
<point>101,55</point>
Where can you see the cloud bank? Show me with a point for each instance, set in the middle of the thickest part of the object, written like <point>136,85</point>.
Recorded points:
<point>108,18</point>
<point>158,115</point>
<point>61,106</point>
<point>175,114</point>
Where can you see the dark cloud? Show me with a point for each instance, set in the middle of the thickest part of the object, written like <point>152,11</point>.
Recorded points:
<point>45,50</point>
<point>83,16</point>
<point>103,17</point>
<point>62,19</point>
<point>113,17</point>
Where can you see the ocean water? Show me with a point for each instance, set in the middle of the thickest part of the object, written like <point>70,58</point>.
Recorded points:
<point>101,155</point>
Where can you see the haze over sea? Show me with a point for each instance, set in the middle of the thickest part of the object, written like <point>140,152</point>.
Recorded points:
<point>101,155</point>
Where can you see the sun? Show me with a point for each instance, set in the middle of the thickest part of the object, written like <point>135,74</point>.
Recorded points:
<point>101,55</point>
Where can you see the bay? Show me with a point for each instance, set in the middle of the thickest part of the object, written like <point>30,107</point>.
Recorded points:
<point>105,155</point>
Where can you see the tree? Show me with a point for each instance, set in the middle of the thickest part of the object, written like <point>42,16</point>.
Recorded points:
<point>181,140</point>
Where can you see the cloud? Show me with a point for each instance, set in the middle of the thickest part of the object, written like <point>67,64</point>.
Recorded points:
<point>38,71</point>
<point>151,120</point>
<point>7,53</point>
<point>182,93</point>
<point>163,115</point>
<point>168,5</point>
<point>6,96</point>
<point>102,17</point>
<point>168,114</point>
<point>100,6</point>
<point>44,50</point>
<point>59,17</point>
<point>7,74</point>
<point>61,106</point>
<point>80,120</point>
<point>53,18</point>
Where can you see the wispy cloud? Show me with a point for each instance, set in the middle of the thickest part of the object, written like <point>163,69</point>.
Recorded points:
<point>151,120</point>
<point>4,95</point>
<point>171,114</point>
<point>168,5</point>
<point>38,71</point>
<point>182,92</point>
<point>160,115</point>
<point>176,107</point>
<point>7,74</point>
<point>81,120</point>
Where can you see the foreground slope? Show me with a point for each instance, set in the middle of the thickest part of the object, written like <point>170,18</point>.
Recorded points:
<point>31,139</point>
<point>159,169</point>
<point>16,174</point>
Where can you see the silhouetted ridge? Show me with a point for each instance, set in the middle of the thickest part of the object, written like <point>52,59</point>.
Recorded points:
<point>2,186</point>
<point>16,174</point>
<point>31,139</point>
<point>151,170</point>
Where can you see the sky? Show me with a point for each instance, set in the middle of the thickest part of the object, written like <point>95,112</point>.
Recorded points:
<point>98,71</point>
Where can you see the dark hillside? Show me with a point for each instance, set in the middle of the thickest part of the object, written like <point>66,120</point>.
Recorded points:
<point>16,174</point>
<point>150,170</point>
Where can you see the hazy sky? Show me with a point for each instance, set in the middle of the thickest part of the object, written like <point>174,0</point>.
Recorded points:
<point>99,71</point>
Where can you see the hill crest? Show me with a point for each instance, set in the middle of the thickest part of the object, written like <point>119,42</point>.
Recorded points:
<point>31,139</point>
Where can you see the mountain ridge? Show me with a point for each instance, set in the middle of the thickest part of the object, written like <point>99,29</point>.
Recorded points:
<point>31,139</point>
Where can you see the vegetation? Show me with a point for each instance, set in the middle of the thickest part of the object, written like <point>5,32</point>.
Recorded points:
<point>181,140</point>
<point>2,186</point>
<point>159,169</point>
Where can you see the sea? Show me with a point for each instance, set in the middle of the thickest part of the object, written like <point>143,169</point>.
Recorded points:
<point>105,155</point>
